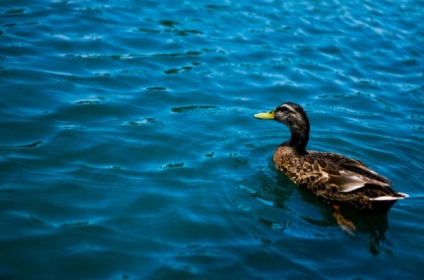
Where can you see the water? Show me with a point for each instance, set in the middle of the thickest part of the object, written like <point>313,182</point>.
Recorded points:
<point>128,149</point>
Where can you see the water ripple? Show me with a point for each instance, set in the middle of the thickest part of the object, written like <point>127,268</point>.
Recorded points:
<point>129,149</point>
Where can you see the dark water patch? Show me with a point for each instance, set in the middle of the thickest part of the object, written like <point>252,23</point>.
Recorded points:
<point>10,24</point>
<point>211,154</point>
<point>187,53</point>
<point>74,224</point>
<point>87,101</point>
<point>214,50</point>
<point>177,70</point>
<point>174,27</point>
<point>216,7</point>
<point>191,107</point>
<point>168,23</point>
<point>172,71</point>
<point>31,23</point>
<point>15,11</point>
<point>64,225</point>
<point>167,54</point>
<point>147,30</point>
<point>193,53</point>
<point>172,165</point>
<point>181,69</point>
<point>21,147</point>
<point>186,32</point>
<point>157,88</point>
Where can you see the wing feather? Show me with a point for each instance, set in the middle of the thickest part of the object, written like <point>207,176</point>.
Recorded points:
<point>348,174</point>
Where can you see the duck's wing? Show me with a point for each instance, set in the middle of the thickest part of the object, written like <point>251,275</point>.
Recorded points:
<point>349,181</point>
<point>351,166</point>
<point>343,173</point>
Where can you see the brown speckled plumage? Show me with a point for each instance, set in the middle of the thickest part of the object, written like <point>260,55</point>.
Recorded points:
<point>330,176</point>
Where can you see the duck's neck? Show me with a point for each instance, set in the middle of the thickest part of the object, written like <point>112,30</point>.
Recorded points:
<point>299,137</point>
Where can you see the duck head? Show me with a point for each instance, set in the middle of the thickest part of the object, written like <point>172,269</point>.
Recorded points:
<point>295,118</point>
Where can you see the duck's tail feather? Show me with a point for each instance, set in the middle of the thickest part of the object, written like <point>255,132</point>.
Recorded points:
<point>382,204</point>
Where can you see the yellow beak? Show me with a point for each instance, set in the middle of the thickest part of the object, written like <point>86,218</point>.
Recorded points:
<point>265,116</point>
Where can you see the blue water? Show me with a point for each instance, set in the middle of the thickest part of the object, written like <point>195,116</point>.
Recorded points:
<point>128,149</point>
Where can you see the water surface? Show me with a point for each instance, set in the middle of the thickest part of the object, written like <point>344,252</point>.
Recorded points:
<point>128,149</point>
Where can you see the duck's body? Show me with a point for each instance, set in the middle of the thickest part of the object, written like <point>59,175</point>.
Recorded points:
<point>332,177</point>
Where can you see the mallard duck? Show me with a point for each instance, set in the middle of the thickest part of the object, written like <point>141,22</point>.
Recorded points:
<point>336,179</point>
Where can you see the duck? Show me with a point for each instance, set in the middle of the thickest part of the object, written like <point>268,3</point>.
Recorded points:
<point>332,177</point>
